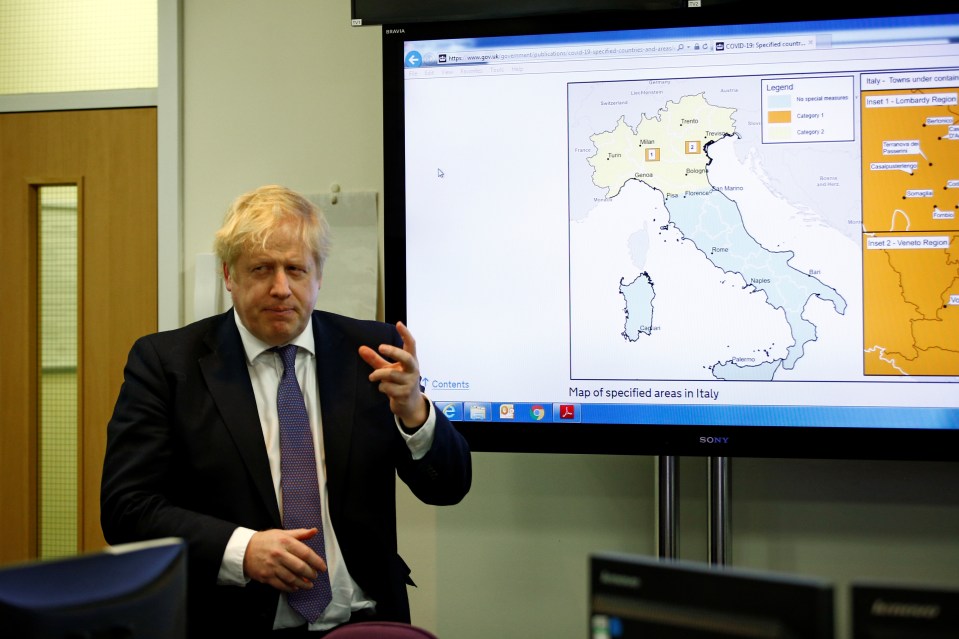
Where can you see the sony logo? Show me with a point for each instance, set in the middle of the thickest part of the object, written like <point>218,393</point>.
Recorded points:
<point>608,578</point>
<point>881,608</point>
<point>713,440</point>
<point>391,31</point>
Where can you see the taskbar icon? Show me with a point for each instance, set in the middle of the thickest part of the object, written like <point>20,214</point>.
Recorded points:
<point>517,412</point>
<point>466,411</point>
<point>567,413</point>
<point>452,410</point>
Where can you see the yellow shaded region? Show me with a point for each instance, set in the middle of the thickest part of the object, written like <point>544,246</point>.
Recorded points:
<point>779,117</point>
<point>885,200</point>
<point>944,332</point>
<point>923,275</point>
<point>909,325</point>
<point>779,133</point>
<point>623,154</point>
<point>886,317</point>
<point>877,364</point>
<point>900,221</point>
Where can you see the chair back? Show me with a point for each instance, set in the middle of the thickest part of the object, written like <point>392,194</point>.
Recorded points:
<point>380,630</point>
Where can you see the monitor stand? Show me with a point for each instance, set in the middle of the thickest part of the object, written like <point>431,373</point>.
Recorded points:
<point>720,550</point>
<point>719,512</point>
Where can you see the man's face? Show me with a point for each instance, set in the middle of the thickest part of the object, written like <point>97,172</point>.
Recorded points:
<point>274,289</point>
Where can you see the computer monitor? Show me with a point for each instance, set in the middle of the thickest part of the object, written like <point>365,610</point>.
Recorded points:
<point>725,231</point>
<point>898,611</point>
<point>641,597</point>
<point>132,591</point>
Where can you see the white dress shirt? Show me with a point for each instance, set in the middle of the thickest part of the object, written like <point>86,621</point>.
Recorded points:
<point>265,369</point>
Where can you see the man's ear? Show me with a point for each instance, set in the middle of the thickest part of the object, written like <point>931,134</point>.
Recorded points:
<point>226,278</point>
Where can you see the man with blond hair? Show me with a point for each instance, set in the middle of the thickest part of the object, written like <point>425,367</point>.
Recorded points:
<point>197,442</point>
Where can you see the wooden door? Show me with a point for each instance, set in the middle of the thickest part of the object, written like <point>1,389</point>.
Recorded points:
<point>110,155</point>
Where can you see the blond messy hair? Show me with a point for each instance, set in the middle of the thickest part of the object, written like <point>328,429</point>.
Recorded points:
<point>253,217</point>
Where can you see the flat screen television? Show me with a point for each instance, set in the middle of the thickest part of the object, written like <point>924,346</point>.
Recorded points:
<point>886,610</point>
<point>633,597</point>
<point>710,232</point>
<point>130,591</point>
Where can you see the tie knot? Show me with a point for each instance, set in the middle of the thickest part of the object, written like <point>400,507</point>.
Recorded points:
<point>287,354</point>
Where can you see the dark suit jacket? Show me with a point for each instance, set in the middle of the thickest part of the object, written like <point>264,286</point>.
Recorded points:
<point>185,457</point>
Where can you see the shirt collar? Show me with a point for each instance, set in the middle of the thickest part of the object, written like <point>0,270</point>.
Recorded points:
<point>254,346</point>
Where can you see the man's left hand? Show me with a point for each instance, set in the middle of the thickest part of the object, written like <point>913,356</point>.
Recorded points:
<point>399,379</point>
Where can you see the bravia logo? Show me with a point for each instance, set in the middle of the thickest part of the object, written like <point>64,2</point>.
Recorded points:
<point>912,610</point>
<point>392,31</point>
<point>713,440</point>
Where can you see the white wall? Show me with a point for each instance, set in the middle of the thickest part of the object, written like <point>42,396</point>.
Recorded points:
<point>274,92</point>
<point>287,91</point>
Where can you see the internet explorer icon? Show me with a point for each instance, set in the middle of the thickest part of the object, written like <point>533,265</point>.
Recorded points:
<point>452,410</point>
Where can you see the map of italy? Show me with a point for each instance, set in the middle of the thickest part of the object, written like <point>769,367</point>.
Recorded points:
<point>667,153</point>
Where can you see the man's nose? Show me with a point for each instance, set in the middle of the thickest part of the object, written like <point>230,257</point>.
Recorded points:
<point>281,284</point>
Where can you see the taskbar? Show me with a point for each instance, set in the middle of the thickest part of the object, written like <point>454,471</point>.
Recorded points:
<point>700,414</point>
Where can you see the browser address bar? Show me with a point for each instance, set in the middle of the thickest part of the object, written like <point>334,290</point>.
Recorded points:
<point>560,53</point>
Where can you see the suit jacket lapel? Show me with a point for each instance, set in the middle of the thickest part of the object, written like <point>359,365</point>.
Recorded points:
<point>336,373</point>
<point>226,375</point>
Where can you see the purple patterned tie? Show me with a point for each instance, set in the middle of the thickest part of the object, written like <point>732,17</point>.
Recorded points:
<point>301,493</point>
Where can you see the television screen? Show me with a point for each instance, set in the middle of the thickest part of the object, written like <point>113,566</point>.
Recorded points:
<point>634,597</point>
<point>899,611</point>
<point>699,232</point>
<point>135,591</point>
